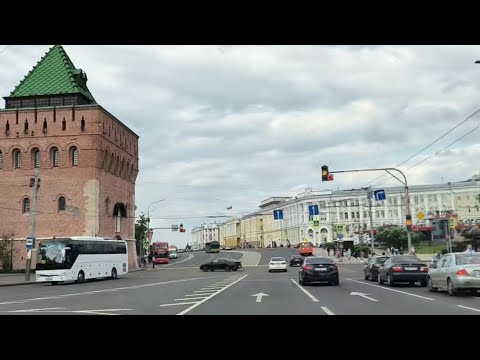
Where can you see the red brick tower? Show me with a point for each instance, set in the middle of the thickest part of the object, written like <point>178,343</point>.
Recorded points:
<point>87,159</point>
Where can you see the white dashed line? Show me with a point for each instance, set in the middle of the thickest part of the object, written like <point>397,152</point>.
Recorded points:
<point>305,291</point>
<point>327,310</point>
<point>468,308</point>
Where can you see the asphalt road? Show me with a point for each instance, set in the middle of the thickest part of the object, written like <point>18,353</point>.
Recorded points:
<point>182,289</point>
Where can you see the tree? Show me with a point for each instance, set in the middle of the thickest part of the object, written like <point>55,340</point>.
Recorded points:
<point>141,228</point>
<point>471,233</point>
<point>6,252</point>
<point>188,247</point>
<point>396,236</point>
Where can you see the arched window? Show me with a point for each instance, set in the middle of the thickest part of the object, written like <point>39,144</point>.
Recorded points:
<point>45,126</point>
<point>112,163</point>
<point>62,203</point>
<point>26,205</point>
<point>64,125</point>
<point>122,169</point>
<point>105,161</point>
<point>107,205</point>
<point>25,127</point>
<point>36,158</point>
<point>74,156</point>
<point>82,124</point>
<point>55,157</point>
<point>17,159</point>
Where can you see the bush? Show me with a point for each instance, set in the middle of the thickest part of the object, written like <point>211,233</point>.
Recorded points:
<point>362,249</point>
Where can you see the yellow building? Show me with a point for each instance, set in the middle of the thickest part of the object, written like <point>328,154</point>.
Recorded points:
<point>230,233</point>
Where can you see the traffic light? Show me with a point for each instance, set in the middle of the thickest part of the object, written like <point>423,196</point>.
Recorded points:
<point>325,173</point>
<point>181,228</point>
<point>409,221</point>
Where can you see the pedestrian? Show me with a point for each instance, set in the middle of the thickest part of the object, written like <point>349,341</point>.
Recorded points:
<point>413,250</point>
<point>469,249</point>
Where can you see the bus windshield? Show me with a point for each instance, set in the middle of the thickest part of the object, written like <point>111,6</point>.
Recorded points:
<point>306,244</point>
<point>53,255</point>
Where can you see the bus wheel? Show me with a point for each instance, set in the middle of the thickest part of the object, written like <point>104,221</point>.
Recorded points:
<point>81,277</point>
<point>114,273</point>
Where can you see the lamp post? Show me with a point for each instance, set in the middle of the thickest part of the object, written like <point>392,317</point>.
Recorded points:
<point>148,221</point>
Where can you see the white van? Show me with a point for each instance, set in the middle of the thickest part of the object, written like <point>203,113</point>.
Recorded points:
<point>172,254</point>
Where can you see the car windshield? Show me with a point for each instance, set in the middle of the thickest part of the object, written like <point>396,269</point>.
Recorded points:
<point>381,259</point>
<point>468,259</point>
<point>278,259</point>
<point>319,260</point>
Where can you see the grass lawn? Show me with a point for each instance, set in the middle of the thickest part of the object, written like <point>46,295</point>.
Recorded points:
<point>423,248</point>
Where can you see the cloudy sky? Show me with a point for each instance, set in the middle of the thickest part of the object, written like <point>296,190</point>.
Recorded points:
<point>234,125</point>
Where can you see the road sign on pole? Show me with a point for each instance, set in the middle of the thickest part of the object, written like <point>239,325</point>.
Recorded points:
<point>420,215</point>
<point>379,195</point>
<point>174,227</point>
<point>30,242</point>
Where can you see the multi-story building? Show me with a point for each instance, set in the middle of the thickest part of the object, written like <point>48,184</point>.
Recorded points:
<point>205,233</point>
<point>230,234</point>
<point>347,212</point>
<point>86,158</point>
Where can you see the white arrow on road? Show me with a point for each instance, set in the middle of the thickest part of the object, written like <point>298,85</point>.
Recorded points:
<point>259,296</point>
<point>365,296</point>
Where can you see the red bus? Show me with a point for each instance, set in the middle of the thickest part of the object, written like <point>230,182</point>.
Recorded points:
<point>306,248</point>
<point>160,253</point>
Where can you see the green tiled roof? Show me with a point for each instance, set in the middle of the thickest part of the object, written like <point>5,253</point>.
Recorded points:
<point>54,74</point>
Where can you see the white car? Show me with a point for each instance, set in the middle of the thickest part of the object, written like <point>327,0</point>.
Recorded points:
<point>277,263</point>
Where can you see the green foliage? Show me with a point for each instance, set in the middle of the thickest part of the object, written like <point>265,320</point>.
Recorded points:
<point>396,236</point>
<point>188,246</point>
<point>6,243</point>
<point>141,227</point>
<point>365,249</point>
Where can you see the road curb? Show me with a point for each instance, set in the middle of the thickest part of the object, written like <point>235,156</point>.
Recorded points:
<point>20,283</point>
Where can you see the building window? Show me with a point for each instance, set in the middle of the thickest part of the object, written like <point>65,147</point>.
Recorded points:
<point>30,103</point>
<point>107,205</point>
<point>25,127</point>
<point>358,215</point>
<point>7,128</point>
<point>45,126</point>
<point>353,215</point>
<point>64,125</point>
<point>74,152</point>
<point>82,124</point>
<point>26,205</point>
<point>55,157</point>
<point>36,158</point>
<point>459,197</point>
<point>43,102</point>
<point>62,203</point>
<point>365,214</point>
<point>346,216</point>
<point>17,159</point>
<point>56,101</point>
<point>394,201</point>
<point>1,160</point>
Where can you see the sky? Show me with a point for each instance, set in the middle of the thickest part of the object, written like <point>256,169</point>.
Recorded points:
<point>227,125</point>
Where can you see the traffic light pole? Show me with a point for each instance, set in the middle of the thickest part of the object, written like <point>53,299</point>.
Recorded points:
<point>405,184</point>
<point>33,222</point>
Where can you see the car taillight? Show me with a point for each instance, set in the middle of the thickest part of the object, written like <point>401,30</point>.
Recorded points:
<point>397,268</point>
<point>307,267</point>
<point>424,269</point>
<point>462,272</point>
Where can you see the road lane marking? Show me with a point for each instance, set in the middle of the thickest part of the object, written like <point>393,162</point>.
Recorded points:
<point>365,296</point>
<point>191,298</point>
<point>305,291</point>
<point>180,303</point>
<point>189,257</point>
<point>210,296</point>
<point>36,310</point>
<point>341,269</point>
<point>468,308</point>
<point>196,295</point>
<point>205,291</point>
<point>389,289</point>
<point>101,291</point>
<point>327,310</point>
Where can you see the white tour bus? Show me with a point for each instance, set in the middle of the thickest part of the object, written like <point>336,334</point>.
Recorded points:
<point>80,259</point>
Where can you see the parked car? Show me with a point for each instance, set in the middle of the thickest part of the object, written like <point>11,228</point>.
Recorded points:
<point>221,264</point>
<point>318,269</point>
<point>455,272</point>
<point>403,269</point>
<point>277,263</point>
<point>371,268</point>
<point>296,260</point>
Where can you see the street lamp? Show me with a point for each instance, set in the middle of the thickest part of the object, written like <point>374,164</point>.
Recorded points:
<point>148,219</point>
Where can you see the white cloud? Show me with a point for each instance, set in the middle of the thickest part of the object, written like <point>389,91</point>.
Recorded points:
<point>233,125</point>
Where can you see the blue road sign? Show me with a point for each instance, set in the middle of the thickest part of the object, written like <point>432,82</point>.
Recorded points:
<point>313,210</point>
<point>278,214</point>
<point>340,237</point>
<point>30,243</point>
<point>379,195</point>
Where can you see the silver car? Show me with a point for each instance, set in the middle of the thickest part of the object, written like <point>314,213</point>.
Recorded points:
<point>455,272</point>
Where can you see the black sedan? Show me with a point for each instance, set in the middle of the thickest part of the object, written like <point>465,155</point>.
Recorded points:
<point>403,269</point>
<point>222,264</point>
<point>318,269</point>
<point>296,260</point>
<point>371,268</point>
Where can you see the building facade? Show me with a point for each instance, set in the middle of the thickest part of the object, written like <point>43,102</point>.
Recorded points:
<point>347,212</point>
<point>86,159</point>
<point>205,233</point>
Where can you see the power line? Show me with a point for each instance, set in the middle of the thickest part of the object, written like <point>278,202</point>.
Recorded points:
<point>426,147</point>
<point>442,149</point>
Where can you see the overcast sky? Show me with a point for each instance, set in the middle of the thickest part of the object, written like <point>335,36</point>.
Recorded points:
<point>234,125</point>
